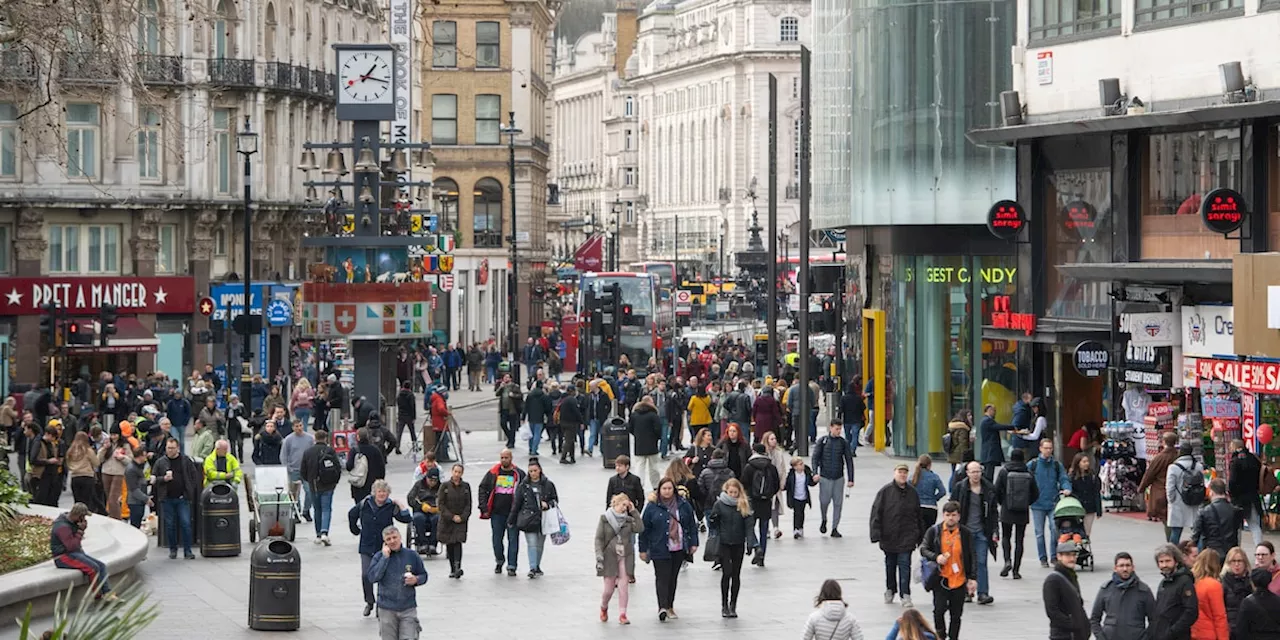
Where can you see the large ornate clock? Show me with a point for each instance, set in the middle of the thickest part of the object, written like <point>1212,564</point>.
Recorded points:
<point>366,81</point>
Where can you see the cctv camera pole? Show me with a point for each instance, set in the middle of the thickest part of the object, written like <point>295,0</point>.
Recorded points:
<point>772,271</point>
<point>802,348</point>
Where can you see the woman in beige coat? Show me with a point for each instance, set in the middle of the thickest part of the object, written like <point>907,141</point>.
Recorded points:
<point>616,553</point>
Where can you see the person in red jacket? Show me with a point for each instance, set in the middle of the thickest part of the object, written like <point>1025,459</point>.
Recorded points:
<point>65,546</point>
<point>440,416</point>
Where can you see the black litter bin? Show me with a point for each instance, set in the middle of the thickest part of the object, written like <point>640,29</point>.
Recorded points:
<point>219,521</point>
<point>275,586</point>
<point>614,442</point>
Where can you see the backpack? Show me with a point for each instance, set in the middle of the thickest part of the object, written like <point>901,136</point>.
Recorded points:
<point>1191,486</point>
<point>760,489</point>
<point>359,471</point>
<point>947,442</point>
<point>330,468</point>
<point>1017,490</point>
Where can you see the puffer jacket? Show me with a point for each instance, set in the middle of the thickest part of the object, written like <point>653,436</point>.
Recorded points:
<point>832,620</point>
<point>1123,610</point>
<point>1051,480</point>
<point>895,518</point>
<point>713,477</point>
<point>961,441</point>
<point>729,524</point>
<point>1234,590</point>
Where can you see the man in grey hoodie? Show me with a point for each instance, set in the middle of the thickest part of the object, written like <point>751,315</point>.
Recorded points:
<point>1124,605</point>
<point>291,451</point>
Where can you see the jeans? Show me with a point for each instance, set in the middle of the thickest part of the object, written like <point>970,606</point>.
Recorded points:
<point>980,547</point>
<point>1038,518</point>
<point>1013,534</point>
<point>945,600</point>
<point>664,444</point>
<point>303,414</point>
<point>534,542</point>
<point>324,511</point>
<point>594,430</point>
<point>498,524</point>
<point>177,515</point>
<point>425,526</point>
<point>536,439</point>
<point>901,564</point>
<point>831,490</point>
<point>92,568</point>
<point>1254,519</point>
<point>401,425</point>
<point>490,373</point>
<point>762,534</point>
<point>1175,535</point>
<point>854,431</point>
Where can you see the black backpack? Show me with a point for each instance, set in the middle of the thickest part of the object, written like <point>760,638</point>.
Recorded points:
<point>761,488</point>
<point>1191,486</point>
<point>1017,490</point>
<point>329,468</point>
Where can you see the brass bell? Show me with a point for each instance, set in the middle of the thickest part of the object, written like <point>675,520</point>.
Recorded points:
<point>365,162</point>
<point>336,163</point>
<point>424,192</point>
<point>365,220</point>
<point>366,195</point>
<point>312,195</point>
<point>399,163</point>
<point>308,162</point>
<point>417,156</point>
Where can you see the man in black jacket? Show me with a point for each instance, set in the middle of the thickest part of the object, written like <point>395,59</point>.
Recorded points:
<point>646,428</point>
<point>957,575</point>
<point>738,404</point>
<point>980,513</point>
<point>762,482</point>
<point>989,432</point>
<point>624,482</point>
<point>175,489</point>
<point>322,469</point>
<point>1217,523</point>
<point>406,413</point>
<point>895,525</point>
<point>1062,601</point>
<point>1177,606</point>
<point>538,411</point>
<point>1242,486</point>
<point>1124,607</point>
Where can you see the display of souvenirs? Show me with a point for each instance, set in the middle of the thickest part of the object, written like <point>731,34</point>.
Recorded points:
<point>1120,473</point>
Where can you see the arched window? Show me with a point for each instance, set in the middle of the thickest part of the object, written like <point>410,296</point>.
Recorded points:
<point>789,29</point>
<point>149,28</point>
<point>292,24</point>
<point>222,34</point>
<point>446,206</point>
<point>324,42</point>
<point>486,223</point>
<point>306,34</point>
<point>270,35</point>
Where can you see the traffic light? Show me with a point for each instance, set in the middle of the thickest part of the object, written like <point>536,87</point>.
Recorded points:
<point>626,312</point>
<point>609,308</point>
<point>78,334</point>
<point>49,322</point>
<point>107,318</point>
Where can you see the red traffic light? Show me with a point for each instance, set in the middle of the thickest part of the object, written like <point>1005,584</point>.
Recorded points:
<point>73,328</point>
<point>626,309</point>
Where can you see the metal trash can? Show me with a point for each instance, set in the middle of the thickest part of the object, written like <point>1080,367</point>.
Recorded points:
<point>614,441</point>
<point>219,521</point>
<point>275,586</point>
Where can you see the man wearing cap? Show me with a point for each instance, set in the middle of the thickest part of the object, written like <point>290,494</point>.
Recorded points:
<point>1062,601</point>
<point>992,454</point>
<point>895,524</point>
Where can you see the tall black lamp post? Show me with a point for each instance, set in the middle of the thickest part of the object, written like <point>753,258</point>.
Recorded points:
<point>615,211</point>
<point>513,330</point>
<point>247,145</point>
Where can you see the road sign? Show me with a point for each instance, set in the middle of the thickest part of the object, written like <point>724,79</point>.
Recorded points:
<point>683,297</point>
<point>446,282</point>
<point>206,306</point>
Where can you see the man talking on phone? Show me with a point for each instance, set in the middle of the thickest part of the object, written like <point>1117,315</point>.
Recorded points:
<point>177,484</point>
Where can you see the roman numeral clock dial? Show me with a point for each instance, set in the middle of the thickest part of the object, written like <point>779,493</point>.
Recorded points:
<point>365,77</point>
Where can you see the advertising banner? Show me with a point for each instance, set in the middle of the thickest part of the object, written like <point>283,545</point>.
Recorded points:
<point>85,296</point>
<point>366,311</point>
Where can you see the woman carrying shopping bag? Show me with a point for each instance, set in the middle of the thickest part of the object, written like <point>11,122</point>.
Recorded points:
<point>535,496</point>
<point>616,553</point>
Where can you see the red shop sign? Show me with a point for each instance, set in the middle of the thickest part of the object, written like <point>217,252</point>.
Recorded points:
<point>85,295</point>
<point>1254,377</point>
<point>1002,318</point>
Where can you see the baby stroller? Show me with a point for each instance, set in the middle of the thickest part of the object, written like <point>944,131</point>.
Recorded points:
<point>1069,515</point>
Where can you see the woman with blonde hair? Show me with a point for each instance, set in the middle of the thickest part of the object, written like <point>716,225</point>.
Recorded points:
<point>300,401</point>
<point>616,553</point>
<point>731,522</point>
<point>911,625</point>
<point>1235,585</point>
<point>1212,621</point>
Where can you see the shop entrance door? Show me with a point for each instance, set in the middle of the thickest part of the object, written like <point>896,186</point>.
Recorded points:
<point>1080,400</point>
<point>874,365</point>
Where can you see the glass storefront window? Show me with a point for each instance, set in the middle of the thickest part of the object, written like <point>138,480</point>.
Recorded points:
<point>1177,170</point>
<point>1077,204</point>
<point>1273,182</point>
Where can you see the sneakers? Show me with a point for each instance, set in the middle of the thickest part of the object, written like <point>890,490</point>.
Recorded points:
<point>906,602</point>
<point>188,555</point>
<point>511,572</point>
<point>822,528</point>
<point>622,619</point>
<point>1017,576</point>
<point>671,613</point>
<point>173,554</point>
<point>985,599</point>
<point>1044,564</point>
<point>1004,573</point>
<point>317,541</point>
<point>724,611</point>
<point>702,527</point>
<point>777,533</point>
<point>497,569</point>
<point>662,615</point>
<point>324,537</point>
<point>796,534</point>
<point>888,596</point>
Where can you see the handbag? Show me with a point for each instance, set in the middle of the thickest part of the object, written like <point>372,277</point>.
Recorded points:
<point>560,536</point>
<point>930,577</point>
<point>711,548</point>
<point>550,523</point>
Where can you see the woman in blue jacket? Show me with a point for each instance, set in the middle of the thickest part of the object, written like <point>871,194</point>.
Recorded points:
<point>367,520</point>
<point>929,487</point>
<point>670,536</point>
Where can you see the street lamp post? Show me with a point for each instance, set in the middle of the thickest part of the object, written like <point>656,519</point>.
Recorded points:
<point>615,211</point>
<point>513,330</point>
<point>247,145</point>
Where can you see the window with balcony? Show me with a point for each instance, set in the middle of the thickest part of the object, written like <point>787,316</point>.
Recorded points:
<point>224,150</point>
<point>222,26</point>
<point>486,225</point>
<point>488,119</point>
<point>445,191</point>
<point>83,131</point>
<point>444,44</point>
<point>1152,12</point>
<point>149,28</point>
<point>488,45</point>
<point>444,118</point>
<point>150,129</point>
<point>9,140</point>
<point>789,29</point>
<point>1061,18</point>
<point>166,258</point>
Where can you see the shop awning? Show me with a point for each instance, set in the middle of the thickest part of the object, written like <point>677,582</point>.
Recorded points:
<point>1180,272</point>
<point>131,337</point>
<point>1000,136</point>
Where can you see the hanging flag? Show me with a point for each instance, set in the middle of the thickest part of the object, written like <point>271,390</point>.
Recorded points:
<point>590,255</point>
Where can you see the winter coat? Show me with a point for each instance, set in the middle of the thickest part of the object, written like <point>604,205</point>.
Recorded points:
<point>739,407</point>
<point>628,485</point>
<point>1217,527</point>
<point>736,454</point>
<point>388,573</point>
<point>454,500</point>
<point>991,451</point>
<point>1234,591</point>
<point>424,498</point>
<point>599,406</point>
<point>1123,610</point>
<point>1259,617</point>
<point>990,505</point>
<point>700,408</point>
<point>767,414</point>
<point>266,447</point>
<point>895,518</point>
<point>1051,480</point>
<point>526,508</point>
<point>931,548</point>
<point>607,540</point>
<point>832,620</point>
<point>1088,490</point>
<point>697,458</point>
<point>833,458</point>
<point>367,519</point>
<point>1180,514</point>
<point>1007,513</point>
<point>1243,481</point>
<point>655,524</point>
<point>538,407</point>
<point>961,442</point>
<point>570,412</point>
<point>729,525</point>
<point>646,429</point>
<point>761,464</point>
<point>713,477</point>
<point>1064,605</point>
<point>1154,479</point>
<point>1177,606</point>
<point>789,487</point>
<point>192,475</point>
<point>1211,623</point>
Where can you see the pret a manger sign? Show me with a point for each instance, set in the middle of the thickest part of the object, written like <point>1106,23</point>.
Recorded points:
<point>170,294</point>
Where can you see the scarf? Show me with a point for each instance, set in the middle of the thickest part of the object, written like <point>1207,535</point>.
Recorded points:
<point>727,500</point>
<point>673,519</point>
<point>615,521</point>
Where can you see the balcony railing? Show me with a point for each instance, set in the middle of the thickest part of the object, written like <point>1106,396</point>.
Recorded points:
<point>231,73</point>
<point>322,84</point>
<point>541,145</point>
<point>86,67</point>
<point>487,238</point>
<point>301,79</point>
<point>793,192</point>
<point>17,65</point>
<point>725,195</point>
<point>279,76</point>
<point>153,69</point>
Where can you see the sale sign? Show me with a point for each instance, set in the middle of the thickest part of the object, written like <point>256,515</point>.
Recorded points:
<point>1248,421</point>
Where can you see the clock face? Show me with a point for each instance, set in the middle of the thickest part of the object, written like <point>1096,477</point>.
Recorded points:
<point>365,76</point>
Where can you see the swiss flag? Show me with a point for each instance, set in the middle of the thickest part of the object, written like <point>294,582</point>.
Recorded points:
<point>344,317</point>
